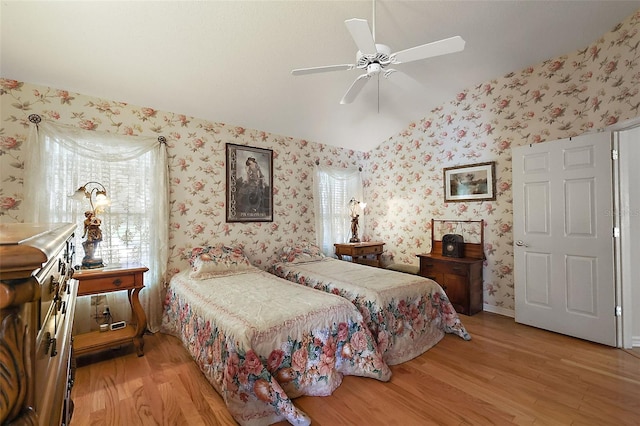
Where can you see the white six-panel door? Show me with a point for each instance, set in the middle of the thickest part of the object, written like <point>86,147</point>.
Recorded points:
<point>563,237</point>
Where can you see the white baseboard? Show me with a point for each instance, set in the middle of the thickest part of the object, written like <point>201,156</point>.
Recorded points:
<point>498,310</point>
<point>635,342</point>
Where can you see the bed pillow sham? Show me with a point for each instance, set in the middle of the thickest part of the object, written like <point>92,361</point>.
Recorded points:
<point>211,261</point>
<point>301,252</point>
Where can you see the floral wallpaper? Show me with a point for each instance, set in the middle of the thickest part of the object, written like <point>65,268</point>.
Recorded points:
<point>581,92</point>
<point>565,96</point>
<point>196,151</point>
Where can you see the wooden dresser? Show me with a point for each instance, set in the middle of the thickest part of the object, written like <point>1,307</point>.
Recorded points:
<point>459,277</point>
<point>37,304</point>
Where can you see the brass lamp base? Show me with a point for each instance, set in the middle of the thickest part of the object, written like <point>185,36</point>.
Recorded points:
<point>92,263</point>
<point>354,230</point>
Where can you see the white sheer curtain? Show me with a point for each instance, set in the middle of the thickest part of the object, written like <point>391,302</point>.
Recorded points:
<point>60,159</point>
<point>332,190</point>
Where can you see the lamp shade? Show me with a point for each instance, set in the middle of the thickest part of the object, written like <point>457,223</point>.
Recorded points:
<point>79,195</point>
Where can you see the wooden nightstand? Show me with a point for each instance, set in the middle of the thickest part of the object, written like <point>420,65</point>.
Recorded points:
<point>365,253</point>
<point>106,280</point>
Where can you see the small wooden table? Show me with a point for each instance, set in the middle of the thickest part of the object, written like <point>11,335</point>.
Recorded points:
<point>107,280</point>
<point>361,252</point>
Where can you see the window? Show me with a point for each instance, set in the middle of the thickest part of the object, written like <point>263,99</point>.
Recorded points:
<point>134,225</point>
<point>126,225</point>
<point>333,188</point>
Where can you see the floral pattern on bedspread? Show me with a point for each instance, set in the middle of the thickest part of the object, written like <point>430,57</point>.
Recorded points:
<point>259,369</point>
<point>406,314</point>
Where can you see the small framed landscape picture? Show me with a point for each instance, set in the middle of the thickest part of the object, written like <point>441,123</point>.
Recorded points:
<point>473,182</point>
<point>249,195</point>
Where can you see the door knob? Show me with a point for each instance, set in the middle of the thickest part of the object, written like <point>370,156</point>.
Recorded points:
<point>521,243</point>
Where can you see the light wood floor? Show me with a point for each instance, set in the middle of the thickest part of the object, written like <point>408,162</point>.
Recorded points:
<point>507,374</point>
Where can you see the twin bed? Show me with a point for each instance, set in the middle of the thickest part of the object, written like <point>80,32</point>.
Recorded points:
<point>261,340</point>
<point>407,314</point>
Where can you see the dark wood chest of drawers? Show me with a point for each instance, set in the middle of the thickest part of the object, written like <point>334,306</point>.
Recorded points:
<point>37,304</point>
<point>461,279</point>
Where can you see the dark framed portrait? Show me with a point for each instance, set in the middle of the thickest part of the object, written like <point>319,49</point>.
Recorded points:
<point>473,182</point>
<point>249,184</point>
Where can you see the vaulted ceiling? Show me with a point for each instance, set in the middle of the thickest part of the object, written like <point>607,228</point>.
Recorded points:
<point>231,61</point>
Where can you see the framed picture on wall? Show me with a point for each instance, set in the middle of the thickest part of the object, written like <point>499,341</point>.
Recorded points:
<point>473,182</point>
<point>249,195</point>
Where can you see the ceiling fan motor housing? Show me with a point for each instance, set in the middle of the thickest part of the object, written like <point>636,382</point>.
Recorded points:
<point>381,58</point>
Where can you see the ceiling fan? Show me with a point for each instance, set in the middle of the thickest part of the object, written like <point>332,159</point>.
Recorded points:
<point>375,58</point>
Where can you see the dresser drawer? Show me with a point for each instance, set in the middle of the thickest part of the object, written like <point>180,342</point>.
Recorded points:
<point>106,284</point>
<point>53,353</point>
<point>434,267</point>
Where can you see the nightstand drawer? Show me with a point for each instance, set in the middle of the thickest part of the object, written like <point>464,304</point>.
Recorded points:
<point>121,282</point>
<point>362,251</point>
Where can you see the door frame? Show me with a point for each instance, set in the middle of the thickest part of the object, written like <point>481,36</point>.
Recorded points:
<point>624,266</point>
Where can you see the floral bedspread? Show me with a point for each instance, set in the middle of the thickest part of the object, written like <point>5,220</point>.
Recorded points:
<point>262,341</point>
<point>407,314</point>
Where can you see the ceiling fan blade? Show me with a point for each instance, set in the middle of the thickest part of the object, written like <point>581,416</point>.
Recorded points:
<point>429,50</point>
<point>359,29</point>
<point>355,88</point>
<point>314,70</point>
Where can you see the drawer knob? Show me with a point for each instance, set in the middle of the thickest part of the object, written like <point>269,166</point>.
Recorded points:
<point>54,285</point>
<point>54,349</point>
<point>117,282</point>
<point>50,343</point>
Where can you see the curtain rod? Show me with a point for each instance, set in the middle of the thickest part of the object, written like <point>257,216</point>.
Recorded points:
<point>35,119</point>
<point>318,163</point>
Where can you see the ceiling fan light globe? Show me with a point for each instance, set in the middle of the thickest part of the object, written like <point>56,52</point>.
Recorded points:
<point>374,69</point>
